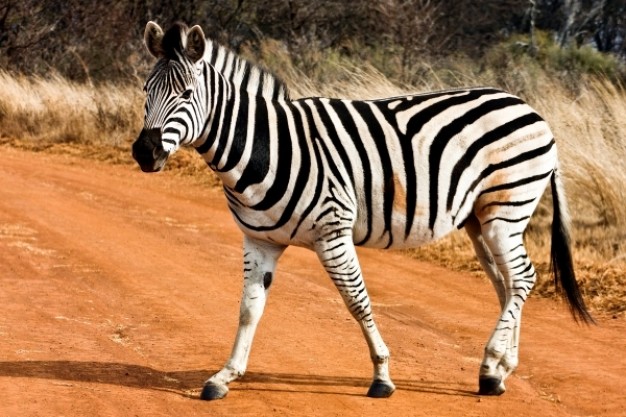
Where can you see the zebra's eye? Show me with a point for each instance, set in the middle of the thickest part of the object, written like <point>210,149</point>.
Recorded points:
<point>186,95</point>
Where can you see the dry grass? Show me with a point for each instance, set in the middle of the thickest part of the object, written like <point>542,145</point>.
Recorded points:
<point>101,121</point>
<point>55,110</point>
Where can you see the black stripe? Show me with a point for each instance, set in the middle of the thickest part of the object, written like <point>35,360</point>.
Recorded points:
<point>408,160</point>
<point>259,87</point>
<point>332,187</point>
<point>443,138</point>
<point>246,74</point>
<point>232,198</point>
<point>239,137</point>
<point>305,171</point>
<point>378,135</point>
<point>220,99</point>
<point>522,256</point>
<point>515,184</point>
<point>224,133</point>
<point>283,164</point>
<point>301,182</point>
<point>487,139</point>
<point>259,163</point>
<point>418,121</point>
<point>335,172</point>
<point>348,124</point>
<point>508,203</point>
<point>334,137</point>
<point>504,219</point>
<point>188,122</point>
<point>276,94</point>
<point>491,168</point>
<point>528,268</point>
<point>213,58</point>
<point>177,77</point>
<point>209,79</point>
<point>407,102</point>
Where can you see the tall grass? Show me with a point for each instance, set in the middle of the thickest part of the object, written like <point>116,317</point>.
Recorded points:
<point>55,110</point>
<point>587,115</point>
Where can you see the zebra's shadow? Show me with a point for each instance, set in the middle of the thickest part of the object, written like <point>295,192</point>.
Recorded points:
<point>189,382</point>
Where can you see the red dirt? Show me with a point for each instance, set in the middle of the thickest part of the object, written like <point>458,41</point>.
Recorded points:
<point>120,296</point>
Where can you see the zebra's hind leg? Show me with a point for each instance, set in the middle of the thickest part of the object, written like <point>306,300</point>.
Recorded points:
<point>339,258</point>
<point>483,253</point>
<point>259,263</point>
<point>509,254</point>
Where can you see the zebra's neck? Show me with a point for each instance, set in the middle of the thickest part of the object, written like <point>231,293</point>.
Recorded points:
<point>240,126</point>
<point>241,140</point>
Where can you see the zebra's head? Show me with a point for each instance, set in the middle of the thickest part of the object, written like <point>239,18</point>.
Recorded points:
<point>173,114</point>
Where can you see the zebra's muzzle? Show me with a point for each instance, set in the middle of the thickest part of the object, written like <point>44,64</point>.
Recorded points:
<point>148,150</point>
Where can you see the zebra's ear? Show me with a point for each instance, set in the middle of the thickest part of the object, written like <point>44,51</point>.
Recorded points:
<point>196,43</point>
<point>153,38</point>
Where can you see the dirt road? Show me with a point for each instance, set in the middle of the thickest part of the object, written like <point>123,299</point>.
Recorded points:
<point>120,296</point>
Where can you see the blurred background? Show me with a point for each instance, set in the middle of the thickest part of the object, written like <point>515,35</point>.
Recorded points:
<point>92,40</point>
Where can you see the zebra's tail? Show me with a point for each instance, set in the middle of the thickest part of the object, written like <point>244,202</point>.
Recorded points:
<point>561,256</point>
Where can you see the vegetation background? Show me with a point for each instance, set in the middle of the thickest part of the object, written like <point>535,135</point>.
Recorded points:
<point>71,76</point>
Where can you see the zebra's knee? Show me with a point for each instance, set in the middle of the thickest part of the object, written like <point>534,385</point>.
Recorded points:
<point>252,308</point>
<point>381,358</point>
<point>250,314</point>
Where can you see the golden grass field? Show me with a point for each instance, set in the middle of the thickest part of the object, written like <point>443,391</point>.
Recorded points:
<point>589,122</point>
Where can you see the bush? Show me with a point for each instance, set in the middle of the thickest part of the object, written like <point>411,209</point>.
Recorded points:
<point>570,63</point>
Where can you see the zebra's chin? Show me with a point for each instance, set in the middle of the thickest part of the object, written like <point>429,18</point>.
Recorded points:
<point>156,167</point>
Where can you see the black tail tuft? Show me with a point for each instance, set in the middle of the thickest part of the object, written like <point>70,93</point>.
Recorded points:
<point>561,255</point>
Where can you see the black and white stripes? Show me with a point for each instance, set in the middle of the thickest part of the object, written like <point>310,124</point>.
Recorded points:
<point>329,174</point>
<point>412,172</point>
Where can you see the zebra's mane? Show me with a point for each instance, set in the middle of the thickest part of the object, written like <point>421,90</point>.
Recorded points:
<point>247,76</point>
<point>244,75</point>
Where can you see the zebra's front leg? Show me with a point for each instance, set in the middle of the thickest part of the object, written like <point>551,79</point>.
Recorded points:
<point>259,263</point>
<point>339,258</point>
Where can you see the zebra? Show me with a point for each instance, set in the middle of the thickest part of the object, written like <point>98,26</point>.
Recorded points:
<point>330,174</point>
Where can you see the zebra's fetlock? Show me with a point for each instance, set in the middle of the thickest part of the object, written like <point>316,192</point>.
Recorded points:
<point>380,359</point>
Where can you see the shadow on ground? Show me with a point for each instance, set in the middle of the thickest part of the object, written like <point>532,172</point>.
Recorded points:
<point>186,382</point>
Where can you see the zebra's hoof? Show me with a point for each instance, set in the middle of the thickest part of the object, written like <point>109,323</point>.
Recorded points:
<point>213,392</point>
<point>490,385</point>
<point>381,389</point>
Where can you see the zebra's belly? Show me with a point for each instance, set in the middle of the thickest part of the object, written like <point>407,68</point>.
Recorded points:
<point>395,235</point>
<point>372,232</point>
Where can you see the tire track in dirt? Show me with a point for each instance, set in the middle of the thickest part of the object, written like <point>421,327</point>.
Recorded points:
<point>120,295</point>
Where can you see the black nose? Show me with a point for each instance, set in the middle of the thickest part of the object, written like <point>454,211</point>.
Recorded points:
<point>148,150</point>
